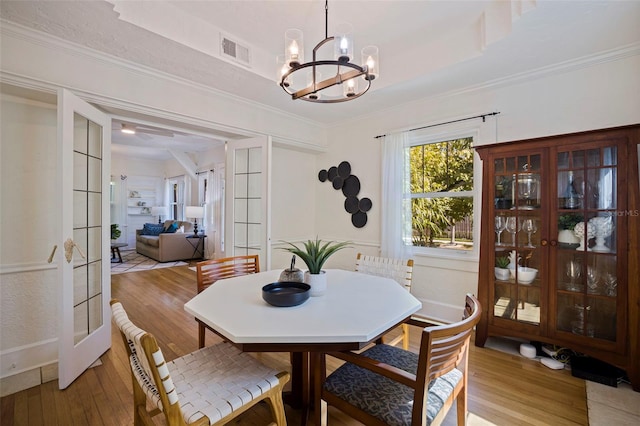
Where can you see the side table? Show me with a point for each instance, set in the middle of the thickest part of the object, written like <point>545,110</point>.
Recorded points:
<point>115,251</point>
<point>195,241</point>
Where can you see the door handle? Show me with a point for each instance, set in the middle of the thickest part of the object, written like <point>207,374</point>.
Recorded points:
<point>68,250</point>
<point>53,252</point>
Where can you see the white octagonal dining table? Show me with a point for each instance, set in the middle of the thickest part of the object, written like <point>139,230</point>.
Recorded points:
<point>356,310</point>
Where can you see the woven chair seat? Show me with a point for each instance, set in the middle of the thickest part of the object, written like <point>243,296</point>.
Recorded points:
<point>237,376</point>
<point>384,398</point>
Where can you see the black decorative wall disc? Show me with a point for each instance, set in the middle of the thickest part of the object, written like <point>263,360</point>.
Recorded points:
<point>333,172</point>
<point>364,205</point>
<point>351,186</point>
<point>351,204</point>
<point>344,169</point>
<point>322,175</point>
<point>359,219</point>
<point>337,182</point>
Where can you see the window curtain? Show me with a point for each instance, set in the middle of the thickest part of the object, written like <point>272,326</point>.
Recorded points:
<point>396,197</point>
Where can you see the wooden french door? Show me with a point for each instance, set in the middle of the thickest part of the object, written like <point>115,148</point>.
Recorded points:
<point>84,139</point>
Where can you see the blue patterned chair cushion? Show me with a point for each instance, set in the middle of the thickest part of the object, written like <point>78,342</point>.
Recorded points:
<point>384,398</point>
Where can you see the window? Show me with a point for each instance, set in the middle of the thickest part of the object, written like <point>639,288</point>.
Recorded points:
<point>441,185</point>
<point>176,198</point>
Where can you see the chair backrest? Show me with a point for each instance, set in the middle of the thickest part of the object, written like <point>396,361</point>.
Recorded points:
<point>397,269</point>
<point>445,347</point>
<point>148,366</point>
<point>210,271</point>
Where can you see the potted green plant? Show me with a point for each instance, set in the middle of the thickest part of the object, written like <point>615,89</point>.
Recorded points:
<point>115,232</point>
<point>501,269</point>
<point>314,253</point>
<point>566,224</point>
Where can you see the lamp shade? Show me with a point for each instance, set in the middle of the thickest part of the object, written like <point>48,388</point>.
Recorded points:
<point>160,210</point>
<point>194,212</point>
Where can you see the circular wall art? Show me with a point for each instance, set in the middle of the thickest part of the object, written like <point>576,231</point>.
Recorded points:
<point>351,204</point>
<point>359,219</point>
<point>351,186</point>
<point>333,172</point>
<point>337,182</point>
<point>342,179</point>
<point>344,169</point>
<point>364,205</point>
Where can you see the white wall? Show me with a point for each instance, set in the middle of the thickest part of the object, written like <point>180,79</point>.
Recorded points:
<point>570,100</point>
<point>293,203</point>
<point>28,231</point>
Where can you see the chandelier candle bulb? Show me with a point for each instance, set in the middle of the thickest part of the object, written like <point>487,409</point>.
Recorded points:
<point>350,88</point>
<point>344,42</point>
<point>370,59</point>
<point>294,47</point>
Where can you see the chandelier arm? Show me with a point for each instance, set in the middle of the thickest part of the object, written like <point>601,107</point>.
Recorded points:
<point>335,101</point>
<point>338,79</point>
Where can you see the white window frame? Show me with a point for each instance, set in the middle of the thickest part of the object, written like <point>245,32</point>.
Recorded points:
<point>180,202</point>
<point>429,137</point>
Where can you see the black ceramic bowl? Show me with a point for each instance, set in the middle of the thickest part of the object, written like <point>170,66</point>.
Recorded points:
<point>285,293</point>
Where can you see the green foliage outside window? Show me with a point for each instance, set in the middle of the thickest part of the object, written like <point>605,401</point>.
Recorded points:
<point>440,170</point>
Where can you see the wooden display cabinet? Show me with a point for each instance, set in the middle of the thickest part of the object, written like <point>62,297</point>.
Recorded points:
<point>566,211</point>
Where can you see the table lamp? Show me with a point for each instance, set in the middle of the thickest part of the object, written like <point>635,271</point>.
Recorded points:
<point>159,211</point>
<point>194,212</point>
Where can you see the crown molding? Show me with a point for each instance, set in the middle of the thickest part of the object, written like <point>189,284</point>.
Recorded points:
<point>587,61</point>
<point>570,65</point>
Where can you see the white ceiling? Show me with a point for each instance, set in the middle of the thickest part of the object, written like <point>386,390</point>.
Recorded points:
<point>427,48</point>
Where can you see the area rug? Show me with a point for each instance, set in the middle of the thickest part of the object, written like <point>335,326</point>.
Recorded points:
<point>134,262</point>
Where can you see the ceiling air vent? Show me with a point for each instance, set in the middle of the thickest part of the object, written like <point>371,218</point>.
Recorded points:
<point>235,51</point>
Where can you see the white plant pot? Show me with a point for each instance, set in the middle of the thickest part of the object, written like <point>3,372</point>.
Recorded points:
<point>318,283</point>
<point>502,274</point>
<point>567,236</point>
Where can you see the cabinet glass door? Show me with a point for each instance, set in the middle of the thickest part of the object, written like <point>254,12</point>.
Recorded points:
<point>518,226</point>
<point>588,229</point>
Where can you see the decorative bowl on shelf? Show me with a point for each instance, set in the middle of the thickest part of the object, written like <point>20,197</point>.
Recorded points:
<point>286,293</point>
<point>525,275</point>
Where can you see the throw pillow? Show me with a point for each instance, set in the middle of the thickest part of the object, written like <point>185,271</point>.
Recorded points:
<point>152,229</point>
<point>171,229</point>
<point>180,230</point>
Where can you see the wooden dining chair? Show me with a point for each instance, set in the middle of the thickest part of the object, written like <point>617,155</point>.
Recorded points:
<point>386,385</point>
<point>397,269</point>
<point>210,386</point>
<point>210,271</point>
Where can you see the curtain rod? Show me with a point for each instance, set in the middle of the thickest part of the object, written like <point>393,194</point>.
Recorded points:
<point>206,171</point>
<point>447,122</point>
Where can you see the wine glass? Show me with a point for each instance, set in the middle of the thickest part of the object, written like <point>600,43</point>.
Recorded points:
<point>529,226</point>
<point>574,272</point>
<point>500,225</point>
<point>513,227</point>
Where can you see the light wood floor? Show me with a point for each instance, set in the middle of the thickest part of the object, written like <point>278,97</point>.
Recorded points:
<point>503,389</point>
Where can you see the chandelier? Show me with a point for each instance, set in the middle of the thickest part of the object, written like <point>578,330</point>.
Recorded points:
<point>327,80</point>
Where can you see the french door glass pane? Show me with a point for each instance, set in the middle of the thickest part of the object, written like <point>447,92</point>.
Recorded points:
<point>247,201</point>
<point>87,221</point>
